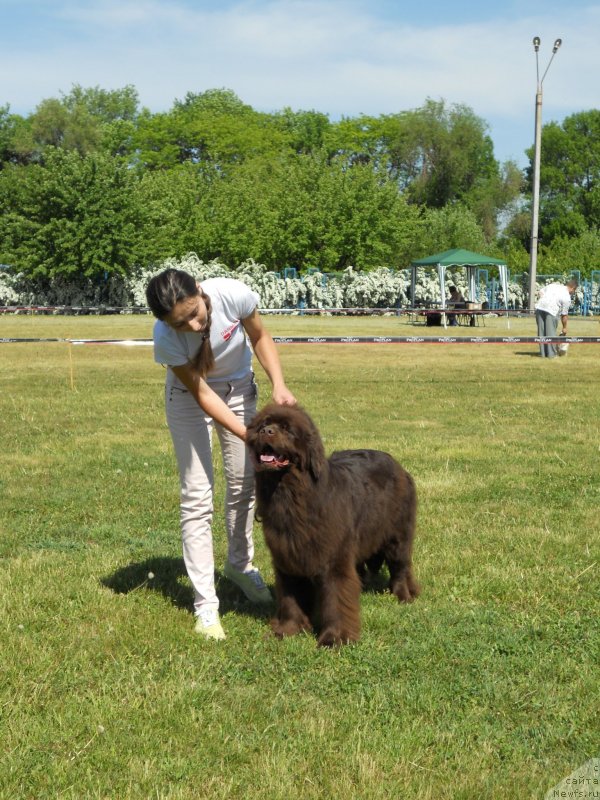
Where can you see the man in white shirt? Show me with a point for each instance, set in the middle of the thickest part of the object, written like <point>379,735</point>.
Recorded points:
<point>554,302</point>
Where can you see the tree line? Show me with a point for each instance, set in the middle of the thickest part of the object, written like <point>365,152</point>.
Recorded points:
<point>93,184</point>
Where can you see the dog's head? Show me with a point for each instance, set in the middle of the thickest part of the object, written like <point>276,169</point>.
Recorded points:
<point>283,438</point>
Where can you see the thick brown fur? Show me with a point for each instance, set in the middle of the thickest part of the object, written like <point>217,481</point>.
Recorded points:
<point>326,522</point>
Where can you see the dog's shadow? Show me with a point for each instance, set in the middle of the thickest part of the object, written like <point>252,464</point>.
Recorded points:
<point>375,582</point>
<point>167,576</point>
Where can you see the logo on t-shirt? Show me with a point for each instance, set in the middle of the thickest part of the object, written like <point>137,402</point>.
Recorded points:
<point>228,332</point>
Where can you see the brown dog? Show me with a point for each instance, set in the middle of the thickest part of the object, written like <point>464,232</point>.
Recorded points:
<point>327,520</point>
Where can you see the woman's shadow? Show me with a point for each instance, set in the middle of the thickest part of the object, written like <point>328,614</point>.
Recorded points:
<point>167,576</point>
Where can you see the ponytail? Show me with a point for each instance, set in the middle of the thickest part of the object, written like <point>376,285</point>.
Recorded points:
<point>204,360</point>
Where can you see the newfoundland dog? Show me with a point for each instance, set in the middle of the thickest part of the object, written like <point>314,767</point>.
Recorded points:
<point>327,521</point>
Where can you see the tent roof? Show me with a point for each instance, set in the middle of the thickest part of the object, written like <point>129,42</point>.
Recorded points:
<point>458,258</point>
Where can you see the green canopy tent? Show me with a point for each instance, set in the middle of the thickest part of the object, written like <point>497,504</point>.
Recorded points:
<point>459,258</point>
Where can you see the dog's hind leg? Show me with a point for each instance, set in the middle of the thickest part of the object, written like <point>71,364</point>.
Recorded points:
<point>403,583</point>
<point>398,549</point>
<point>295,599</point>
<point>398,557</point>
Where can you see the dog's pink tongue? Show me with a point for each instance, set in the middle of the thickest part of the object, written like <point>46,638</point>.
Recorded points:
<point>267,459</point>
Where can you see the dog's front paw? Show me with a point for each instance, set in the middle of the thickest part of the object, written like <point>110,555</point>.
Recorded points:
<point>334,638</point>
<point>289,627</point>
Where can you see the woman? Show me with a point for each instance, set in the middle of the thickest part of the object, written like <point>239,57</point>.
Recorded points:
<point>200,336</point>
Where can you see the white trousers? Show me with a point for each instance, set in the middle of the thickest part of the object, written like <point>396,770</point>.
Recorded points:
<point>191,432</point>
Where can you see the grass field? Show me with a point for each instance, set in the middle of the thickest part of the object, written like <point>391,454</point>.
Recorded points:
<point>485,687</point>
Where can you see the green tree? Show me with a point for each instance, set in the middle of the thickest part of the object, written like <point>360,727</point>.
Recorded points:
<point>157,141</point>
<point>304,131</point>
<point>453,226</point>
<point>360,140</point>
<point>564,254</point>
<point>15,138</point>
<point>262,209</point>
<point>174,204</point>
<point>70,215</point>
<point>213,128</point>
<point>107,106</point>
<point>303,211</point>
<point>362,220</point>
<point>55,125</point>
<point>439,154</point>
<point>85,120</point>
<point>569,176</point>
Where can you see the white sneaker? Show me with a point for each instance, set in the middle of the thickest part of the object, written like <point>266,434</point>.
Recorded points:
<point>208,624</point>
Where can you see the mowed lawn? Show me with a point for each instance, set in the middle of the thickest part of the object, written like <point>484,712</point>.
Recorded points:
<point>485,687</point>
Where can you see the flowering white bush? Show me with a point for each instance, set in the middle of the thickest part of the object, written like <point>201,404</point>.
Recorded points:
<point>273,290</point>
<point>135,283</point>
<point>17,289</point>
<point>595,300</point>
<point>9,289</point>
<point>323,291</point>
<point>379,288</point>
<point>517,296</point>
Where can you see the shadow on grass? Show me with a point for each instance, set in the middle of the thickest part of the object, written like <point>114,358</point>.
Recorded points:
<point>169,578</point>
<point>376,583</point>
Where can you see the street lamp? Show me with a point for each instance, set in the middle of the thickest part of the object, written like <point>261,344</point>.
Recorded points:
<point>533,250</point>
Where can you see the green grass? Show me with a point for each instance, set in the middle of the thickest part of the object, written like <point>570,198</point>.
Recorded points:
<point>485,687</point>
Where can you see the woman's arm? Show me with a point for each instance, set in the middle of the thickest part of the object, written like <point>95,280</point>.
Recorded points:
<point>209,401</point>
<point>266,352</point>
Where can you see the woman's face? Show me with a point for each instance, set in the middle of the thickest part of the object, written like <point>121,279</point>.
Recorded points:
<point>188,315</point>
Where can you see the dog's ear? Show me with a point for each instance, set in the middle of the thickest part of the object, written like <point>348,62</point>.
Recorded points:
<point>251,430</point>
<point>255,425</point>
<point>315,453</point>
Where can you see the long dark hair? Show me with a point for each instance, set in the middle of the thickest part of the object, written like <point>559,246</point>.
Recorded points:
<point>167,289</point>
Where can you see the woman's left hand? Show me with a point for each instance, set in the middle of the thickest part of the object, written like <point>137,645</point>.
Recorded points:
<point>284,397</point>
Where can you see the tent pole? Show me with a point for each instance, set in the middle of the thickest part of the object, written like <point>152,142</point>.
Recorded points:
<point>504,279</point>
<point>442,276</point>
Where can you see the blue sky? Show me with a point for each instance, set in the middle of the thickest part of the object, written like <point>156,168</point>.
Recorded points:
<point>342,57</point>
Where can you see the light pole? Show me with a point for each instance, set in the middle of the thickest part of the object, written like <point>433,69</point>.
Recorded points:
<point>535,210</point>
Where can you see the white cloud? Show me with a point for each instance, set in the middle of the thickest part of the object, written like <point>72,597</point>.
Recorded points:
<point>336,57</point>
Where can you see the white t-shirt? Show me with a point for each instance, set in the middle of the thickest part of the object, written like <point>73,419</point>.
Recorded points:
<point>232,301</point>
<point>555,299</point>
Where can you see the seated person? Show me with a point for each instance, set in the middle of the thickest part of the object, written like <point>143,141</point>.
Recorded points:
<point>456,300</point>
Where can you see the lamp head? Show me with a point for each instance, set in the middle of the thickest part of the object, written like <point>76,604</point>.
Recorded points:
<point>557,44</point>
<point>536,43</point>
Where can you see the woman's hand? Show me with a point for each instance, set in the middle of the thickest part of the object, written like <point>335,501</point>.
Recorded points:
<point>266,353</point>
<point>284,397</point>
<point>209,401</point>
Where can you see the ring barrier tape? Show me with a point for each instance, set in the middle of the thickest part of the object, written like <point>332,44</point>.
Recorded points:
<point>351,340</point>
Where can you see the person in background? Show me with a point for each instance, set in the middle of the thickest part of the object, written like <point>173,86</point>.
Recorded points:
<point>201,335</point>
<point>454,301</point>
<point>554,302</point>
